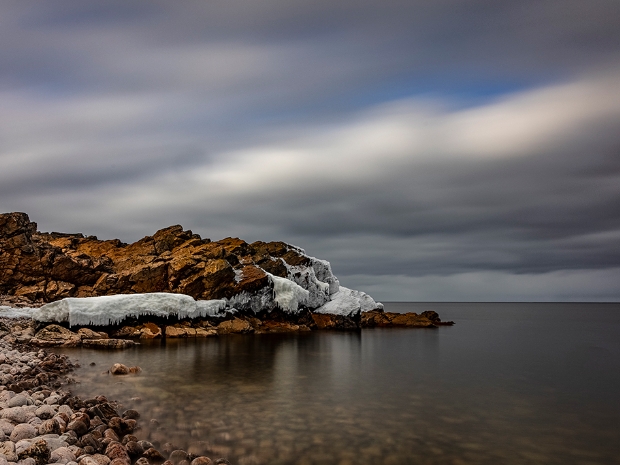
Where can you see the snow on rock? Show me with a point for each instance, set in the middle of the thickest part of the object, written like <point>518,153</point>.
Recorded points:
<point>11,312</point>
<point>288,294</point>
<point>347,302</point>
<point>323,272</point>
<point>318,291</point>
<point>113,309</point>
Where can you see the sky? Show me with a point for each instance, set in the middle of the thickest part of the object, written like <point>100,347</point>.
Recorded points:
<point>430,150</point>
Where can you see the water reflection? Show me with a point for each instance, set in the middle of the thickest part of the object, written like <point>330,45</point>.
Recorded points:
<point>499,387</point>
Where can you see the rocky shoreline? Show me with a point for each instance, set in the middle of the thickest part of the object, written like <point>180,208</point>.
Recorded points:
<point>41,422</point>
<point>132,331</point>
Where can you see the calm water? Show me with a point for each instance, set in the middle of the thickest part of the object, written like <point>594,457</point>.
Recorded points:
<point>509,384</point>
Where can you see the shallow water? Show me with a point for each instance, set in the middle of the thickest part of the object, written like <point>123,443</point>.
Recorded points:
<point>509,383</point>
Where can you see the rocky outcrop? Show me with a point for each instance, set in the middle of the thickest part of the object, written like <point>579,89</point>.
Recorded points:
<point>36,267</point>
<point>262,287</point>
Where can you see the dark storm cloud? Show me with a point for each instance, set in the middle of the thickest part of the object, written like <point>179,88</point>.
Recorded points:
<point>409,142</point>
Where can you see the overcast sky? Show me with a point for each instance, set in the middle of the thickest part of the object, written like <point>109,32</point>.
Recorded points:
<point>430,150</point>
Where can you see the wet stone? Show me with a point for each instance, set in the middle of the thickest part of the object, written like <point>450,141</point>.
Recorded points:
<point>116,450</point>
<point>119,369</point>
<point>202,460</point>
<point>177,456</point>
<point>153,455</point>
<point>134,449</point>
<point>131,414</point>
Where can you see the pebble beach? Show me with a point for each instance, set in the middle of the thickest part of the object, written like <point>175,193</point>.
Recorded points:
<point>41,422</point>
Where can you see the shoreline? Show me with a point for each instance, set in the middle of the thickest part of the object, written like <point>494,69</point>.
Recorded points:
<point>42,422</point>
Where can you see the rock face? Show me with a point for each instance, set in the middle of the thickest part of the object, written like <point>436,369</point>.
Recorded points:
<point>36,268</point>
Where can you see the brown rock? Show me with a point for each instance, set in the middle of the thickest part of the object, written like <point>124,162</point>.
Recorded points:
<point>101,459</point>
<point>134,449</point>
<point>177,456</point>
<point>55,336</point>
<point>410,320</point>
<point>153,455</point>
<point>270,326</point>
<point>111,434</point>
<point>108,343</point>
<point>150,331</point>
<point>202,460</point>
<point>203,332</point>
<point>78,426</point>
<point>51,426</point>
<point>324,321</point>
<point>119,369</point>
<point>116,450</point>
<point>86,333</point>
<point>103,410</point>
<point>38,451</point>
<point>120,461</point>
<point>177,330</point>
<point>234,326</point>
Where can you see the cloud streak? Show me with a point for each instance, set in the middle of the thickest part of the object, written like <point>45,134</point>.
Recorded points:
<point>359,133</point>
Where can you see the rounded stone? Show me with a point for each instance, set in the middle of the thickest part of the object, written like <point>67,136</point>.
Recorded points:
<point>18,401</point>
<point>51,426</point>
<point>177,456</point>
<point>142,461</point>
<point>101,459</point>
<point>119,369</point>
<point>202,460</point>
<point>45,412</point>
<point>62,455</point>
<point>131,414</point>
<point>23,431</point>
<point>120,461</point>
<point>153,455</point>
<point>134,449</point>
<point>78,426</point>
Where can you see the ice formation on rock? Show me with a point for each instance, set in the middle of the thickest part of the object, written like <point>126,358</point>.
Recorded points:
<point>288,294</point>
<point>113,309</point>
<point>348,302</point>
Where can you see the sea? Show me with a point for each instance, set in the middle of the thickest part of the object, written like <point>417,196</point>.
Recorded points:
<point>509,383</point>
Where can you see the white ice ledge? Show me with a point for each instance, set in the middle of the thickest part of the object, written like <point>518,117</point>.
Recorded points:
<point>113,309</point>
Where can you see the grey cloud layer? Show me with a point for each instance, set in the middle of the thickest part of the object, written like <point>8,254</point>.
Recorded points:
<point>268,121</point>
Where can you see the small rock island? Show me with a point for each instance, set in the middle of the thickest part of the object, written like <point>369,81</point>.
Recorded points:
<point>104,293</point>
